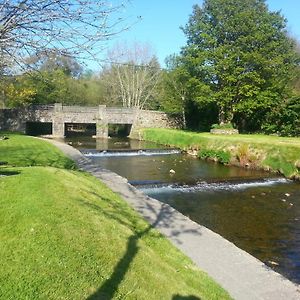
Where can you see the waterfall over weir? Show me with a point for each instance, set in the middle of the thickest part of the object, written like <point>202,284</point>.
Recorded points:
<point>225,185</point>
<point>129,152</point>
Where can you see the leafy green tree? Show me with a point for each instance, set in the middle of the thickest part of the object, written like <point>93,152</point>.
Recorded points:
<point>240,58</point>
<point>284,119</point>
<point>174,86</point>
<point>49,87</point>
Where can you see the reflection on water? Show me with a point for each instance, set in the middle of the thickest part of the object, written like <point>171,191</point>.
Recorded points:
<point>257,211</point>
<point>110,143</point>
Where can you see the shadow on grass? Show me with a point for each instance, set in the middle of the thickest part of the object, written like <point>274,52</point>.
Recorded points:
<point>4,172</point>
<point>164,217</point>
<point>190,297</point>
<point>110,286</point>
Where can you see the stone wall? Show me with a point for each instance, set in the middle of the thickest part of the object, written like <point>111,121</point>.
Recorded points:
<point>157,119</point>
<point>59,115</point>
<point>12,120</point>
<point>224,131</point>
<point>154,119</point>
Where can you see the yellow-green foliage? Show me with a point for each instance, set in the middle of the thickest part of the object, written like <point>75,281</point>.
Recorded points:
<point>19,95</point>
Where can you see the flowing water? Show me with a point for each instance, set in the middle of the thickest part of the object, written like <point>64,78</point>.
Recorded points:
<point>257,211</point>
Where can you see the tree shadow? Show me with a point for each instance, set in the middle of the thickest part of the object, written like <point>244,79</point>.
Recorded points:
<point>8,172</point>
<point>163,217</point>
<point>190,297</point>
<point>110,286</point>
<point>159,216</point>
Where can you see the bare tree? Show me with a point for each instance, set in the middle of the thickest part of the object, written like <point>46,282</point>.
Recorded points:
<point>76,28</point>
<point>133,75</point>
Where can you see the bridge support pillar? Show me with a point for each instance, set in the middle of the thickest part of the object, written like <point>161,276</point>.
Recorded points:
<point>135,133</point>
<point>58,124</point>
<point>102,124</point>
<point>58,128</point>
<point>102,129</point>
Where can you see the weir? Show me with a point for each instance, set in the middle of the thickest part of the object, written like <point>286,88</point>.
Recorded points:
<point>129,152</point>
<point>217,185</point>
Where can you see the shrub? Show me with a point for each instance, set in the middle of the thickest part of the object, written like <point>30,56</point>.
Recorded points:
<point>243,154</point>
<point>222,126</point>
<point>220,156</point>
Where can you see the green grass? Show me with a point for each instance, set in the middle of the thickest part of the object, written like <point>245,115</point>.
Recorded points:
<point>64,235</point>
<point>21,150</point>
<point>278,154</point>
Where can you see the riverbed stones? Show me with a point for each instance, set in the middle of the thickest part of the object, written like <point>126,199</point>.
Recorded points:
<point>192,152</point>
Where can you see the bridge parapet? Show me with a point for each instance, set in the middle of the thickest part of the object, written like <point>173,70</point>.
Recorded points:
<point>80,109</point>
<point>116,110</point>
<point>49,107</point>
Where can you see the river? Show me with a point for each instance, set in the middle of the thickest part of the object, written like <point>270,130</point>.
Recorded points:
<point>257,211</point>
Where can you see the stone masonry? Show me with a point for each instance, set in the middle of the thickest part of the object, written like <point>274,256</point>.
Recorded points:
<point>101,116</point>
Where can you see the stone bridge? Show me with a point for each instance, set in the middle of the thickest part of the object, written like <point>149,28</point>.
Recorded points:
<point>58,117</point>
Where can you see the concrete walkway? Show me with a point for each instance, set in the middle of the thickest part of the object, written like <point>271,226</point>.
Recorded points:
<point>242,275</point>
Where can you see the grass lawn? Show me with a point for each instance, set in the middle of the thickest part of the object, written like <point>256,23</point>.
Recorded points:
<point>64,235</point>
<point>22,150</point>
<point>278,154</point>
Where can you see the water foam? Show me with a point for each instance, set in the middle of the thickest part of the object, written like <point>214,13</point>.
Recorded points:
<point>205,186</point>
<point>131,153</point>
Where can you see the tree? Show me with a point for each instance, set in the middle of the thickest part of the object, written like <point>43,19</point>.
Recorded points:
<point>284,119</point>
<point>240,57</point>
<point>16,93</point>
<point>175,87</point>
<point>49,62</point>
<point>50,86</point>
<point>133,75</point>
<point>75,28</point>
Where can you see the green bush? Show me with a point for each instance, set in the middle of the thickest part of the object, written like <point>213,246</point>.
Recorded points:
<point>285,119</point>
<point>222,126</point>
<point>222,157</point>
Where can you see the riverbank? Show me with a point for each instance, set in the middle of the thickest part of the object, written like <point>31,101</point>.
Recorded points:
<point>65,235</point>
<point>271,153</point>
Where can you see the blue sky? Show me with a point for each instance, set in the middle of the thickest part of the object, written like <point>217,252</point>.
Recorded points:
<point>161,20</point>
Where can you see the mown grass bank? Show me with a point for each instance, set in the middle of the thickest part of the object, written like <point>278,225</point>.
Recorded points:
<point>25,151</point>
<point>277,154</point>
<point>64,235</point>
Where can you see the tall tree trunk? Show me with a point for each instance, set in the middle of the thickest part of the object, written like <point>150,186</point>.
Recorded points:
<point>222,118</point>
<point>183,113</point>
